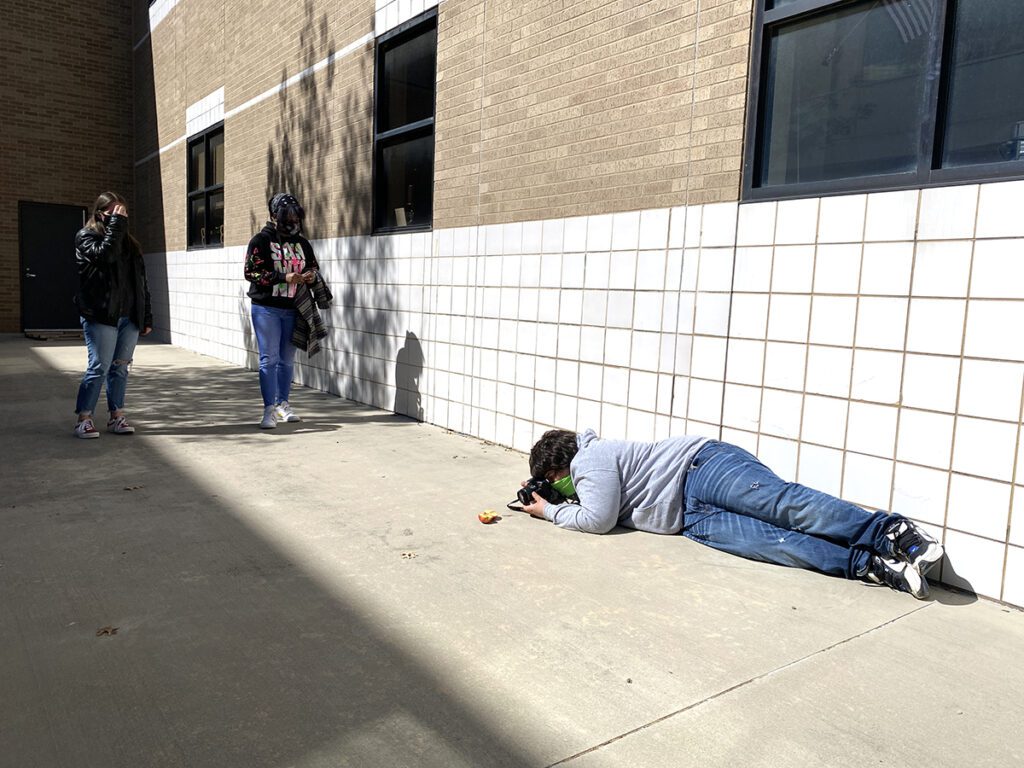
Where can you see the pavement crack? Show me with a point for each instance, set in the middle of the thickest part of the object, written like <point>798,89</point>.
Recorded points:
<point>737,686</point>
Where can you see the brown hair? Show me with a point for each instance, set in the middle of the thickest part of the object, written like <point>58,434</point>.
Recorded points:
<point>104,201</point>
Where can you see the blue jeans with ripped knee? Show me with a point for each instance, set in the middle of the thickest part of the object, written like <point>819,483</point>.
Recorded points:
<point>736,504</point>
<point>110,349</point>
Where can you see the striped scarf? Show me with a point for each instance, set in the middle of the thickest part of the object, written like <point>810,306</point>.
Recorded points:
<point>309,326</point>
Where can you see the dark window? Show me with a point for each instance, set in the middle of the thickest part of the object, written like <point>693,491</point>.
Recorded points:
<point>206,188</point>
<point>403,186</point>
<point>878,94</point>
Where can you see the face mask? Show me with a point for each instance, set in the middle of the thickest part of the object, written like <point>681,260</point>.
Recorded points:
<point>565,486</point>
<point>290,229</point>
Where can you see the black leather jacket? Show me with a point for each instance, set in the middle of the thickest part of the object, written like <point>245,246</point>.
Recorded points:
<point>112,276</point>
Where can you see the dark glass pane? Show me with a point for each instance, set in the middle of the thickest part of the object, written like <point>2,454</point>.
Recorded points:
<point>197,221</point>
<point>215,221</point>
<point>844,93</point>
<point>985,117</point>
<point>406,178</point>
<point>772,4</point>
<point>407,81</point>
<point>216,143</point>
<point>196,166</point>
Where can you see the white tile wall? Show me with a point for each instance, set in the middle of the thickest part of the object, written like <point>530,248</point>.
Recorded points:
<point>205,112</point>
<point>825,335</point>
<point>391,13</point>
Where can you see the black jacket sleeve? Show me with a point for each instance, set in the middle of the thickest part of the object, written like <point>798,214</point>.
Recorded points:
<point>95,251</point>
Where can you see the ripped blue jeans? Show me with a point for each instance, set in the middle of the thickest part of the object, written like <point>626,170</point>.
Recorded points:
<point>736,504</point>
<point>110,349</point>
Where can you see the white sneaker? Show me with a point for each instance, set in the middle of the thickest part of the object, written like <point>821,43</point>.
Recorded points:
<point>284,412</point>
<point>120,426</point>
<point>86,429</point>
<point>269,419</point>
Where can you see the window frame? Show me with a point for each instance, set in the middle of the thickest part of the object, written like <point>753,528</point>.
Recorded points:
<point>932,111</point>
<point>203,136</point>
<point>416,129</point>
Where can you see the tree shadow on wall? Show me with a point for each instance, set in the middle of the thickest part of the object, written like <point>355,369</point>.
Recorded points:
<point>321,152</point>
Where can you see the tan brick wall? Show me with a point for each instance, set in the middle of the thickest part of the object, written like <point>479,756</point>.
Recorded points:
<point>543,109</point>
<point>66,125</point>
<point>557,109</point>
<point>314,138</point>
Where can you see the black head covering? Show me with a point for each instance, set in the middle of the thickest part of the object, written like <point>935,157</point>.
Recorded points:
<point>281,205</point>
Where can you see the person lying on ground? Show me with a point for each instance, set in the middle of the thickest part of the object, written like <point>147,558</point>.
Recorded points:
<point>720,495</point>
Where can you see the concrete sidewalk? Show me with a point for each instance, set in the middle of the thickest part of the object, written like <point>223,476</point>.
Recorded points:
<point>323,595</point>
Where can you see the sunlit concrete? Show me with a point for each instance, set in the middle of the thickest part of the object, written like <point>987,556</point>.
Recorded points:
<point>323,595</point>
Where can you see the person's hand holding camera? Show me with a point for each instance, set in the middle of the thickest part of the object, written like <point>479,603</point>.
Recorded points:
<point>308,277</point>
<point>537,508</point>
<point>293,278</point>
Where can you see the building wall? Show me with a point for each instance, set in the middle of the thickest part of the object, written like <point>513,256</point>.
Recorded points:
<point>856,343</point>
<point>66,133</point>
<point>554,109</point>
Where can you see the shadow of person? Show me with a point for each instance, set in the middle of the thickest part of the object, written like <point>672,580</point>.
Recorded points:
<point>954,589</point>
<point>408,367</point>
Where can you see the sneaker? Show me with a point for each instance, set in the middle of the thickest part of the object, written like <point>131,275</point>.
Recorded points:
<point>120,426</point>
<point>269,418</point>
<point>912,544</point>
<point>86,429</point>
<point>284,412</point>
<point>900,576</point>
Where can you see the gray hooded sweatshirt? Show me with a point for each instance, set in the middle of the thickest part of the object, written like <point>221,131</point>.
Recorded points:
<point>620,482</point>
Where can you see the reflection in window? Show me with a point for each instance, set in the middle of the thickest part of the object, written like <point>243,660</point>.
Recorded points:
<point>843,97</point>
<point>985,113</point>
<point>206,188</point>
<point>874,94</point>
<point>404,126</point>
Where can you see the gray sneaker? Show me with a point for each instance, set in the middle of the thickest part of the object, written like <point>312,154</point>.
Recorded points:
<point>269,418</point>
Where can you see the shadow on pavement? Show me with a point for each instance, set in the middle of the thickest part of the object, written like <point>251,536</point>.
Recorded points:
<point>144,621</point>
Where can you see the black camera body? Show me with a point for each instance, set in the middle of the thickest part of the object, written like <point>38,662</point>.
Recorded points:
<point>542,488</point>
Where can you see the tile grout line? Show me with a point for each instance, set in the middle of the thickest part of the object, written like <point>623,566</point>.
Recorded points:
<point>737,686</point>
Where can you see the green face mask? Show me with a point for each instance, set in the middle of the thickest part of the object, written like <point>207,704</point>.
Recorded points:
<point>565,486</point>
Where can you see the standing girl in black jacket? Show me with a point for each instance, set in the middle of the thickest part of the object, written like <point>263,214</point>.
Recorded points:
<point>277,260</point>
<point>114,304</point>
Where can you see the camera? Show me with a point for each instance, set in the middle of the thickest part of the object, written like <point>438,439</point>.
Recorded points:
<point>542,488</point>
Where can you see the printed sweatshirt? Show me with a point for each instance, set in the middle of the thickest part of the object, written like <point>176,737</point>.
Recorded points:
<point>620,482</point>
<point>269,257</point>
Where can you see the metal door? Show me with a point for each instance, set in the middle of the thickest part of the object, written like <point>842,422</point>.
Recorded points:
<point>49,278</point>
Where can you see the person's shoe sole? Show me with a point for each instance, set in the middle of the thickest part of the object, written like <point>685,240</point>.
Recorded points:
<point>86,435</point>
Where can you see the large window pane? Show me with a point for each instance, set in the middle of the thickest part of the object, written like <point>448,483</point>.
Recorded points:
<point>197,166</point>
<point>407,176</point>
<point>985,115</point>
<point>197,221</point>
<point>215,219</point>
<point>844,93</point>
<point>216,159</point>
<point>408,81</point>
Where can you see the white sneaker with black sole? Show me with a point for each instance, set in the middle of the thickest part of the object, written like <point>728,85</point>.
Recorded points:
<point>269,418</point>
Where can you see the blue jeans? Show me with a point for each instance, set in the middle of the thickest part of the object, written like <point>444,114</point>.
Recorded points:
<point>110,350</point>
<point>273,328</point>
<point>736,504</point>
